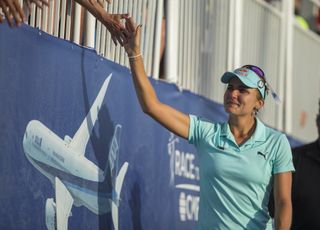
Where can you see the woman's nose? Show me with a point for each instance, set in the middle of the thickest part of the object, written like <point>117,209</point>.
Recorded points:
<point>233,93</point>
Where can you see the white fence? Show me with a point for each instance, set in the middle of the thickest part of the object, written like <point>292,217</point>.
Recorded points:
<point>305,92</point>
<point>204,38</point>
<point>66,19</point>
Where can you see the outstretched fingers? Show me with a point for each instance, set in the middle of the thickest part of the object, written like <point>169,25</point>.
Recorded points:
<point>8,15</point>
<point>117,29</point>
<point>117,36</point>
<point>114,39</point>
<point>18,11</point>
<point>29,6</point>
<point>130,25</point>
<point>40,3</point>
<point>15,11</point>
<point>132,45</point>
<point>45,2</point>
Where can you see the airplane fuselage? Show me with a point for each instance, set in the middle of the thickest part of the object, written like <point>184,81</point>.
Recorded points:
<point>53,157</point>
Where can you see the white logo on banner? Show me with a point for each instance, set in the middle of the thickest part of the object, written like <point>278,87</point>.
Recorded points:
<point>182,165</point>
<point>188,207</point>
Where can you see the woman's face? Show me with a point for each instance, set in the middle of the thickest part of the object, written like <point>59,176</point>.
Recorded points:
<point>240,100</point>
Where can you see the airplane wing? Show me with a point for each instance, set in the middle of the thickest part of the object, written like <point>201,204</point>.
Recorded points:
<point>64,203</point>
<point>81,138</point>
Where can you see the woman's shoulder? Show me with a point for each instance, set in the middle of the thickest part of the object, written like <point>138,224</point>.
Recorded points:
<point>205,121</point>
<point>272,132</point>
<point>207,124</point>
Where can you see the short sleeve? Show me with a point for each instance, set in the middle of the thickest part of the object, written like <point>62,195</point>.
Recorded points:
<point>199,130</point>
<point>283,158</point>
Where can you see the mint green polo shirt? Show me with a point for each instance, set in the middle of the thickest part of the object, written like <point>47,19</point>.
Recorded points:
<point>235,181</point>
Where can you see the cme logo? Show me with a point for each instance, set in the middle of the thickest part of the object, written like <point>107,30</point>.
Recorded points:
<point>188,207</point>
<point>184,176</point>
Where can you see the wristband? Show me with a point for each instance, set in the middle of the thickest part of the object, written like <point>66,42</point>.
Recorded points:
<point>135,56</point>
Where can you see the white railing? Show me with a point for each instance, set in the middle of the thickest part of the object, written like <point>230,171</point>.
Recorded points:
<point>305,91</point>
<point>262,33</point>
<point>215,36</point>
<point>202,55</point>
<point>68,20</point>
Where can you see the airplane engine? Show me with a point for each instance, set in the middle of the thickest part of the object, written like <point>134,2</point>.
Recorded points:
<point>67,139</point>
<point>51,214</point>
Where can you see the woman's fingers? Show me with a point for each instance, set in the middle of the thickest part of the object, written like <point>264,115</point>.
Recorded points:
<point>8,16</point>
<point>123,34</point>
<point>38,3</point>
<point>126,33</point>
<point>29,6</point>
<point>138,31</point>
<point>114,39</point>
<point>124,16</point>
<point>130,25</point>
<point>16,11</point>
<point>47,3</point>
<point>117,36</point>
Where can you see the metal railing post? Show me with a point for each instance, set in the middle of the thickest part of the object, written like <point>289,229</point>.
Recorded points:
<point>90,30</point>
<point>171,54</point>
<point>288,8</point>
<point>238,4</point>
<point>157,40</point>
<point>76,24</point>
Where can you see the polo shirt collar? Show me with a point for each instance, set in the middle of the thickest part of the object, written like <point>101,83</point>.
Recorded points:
<point>225,130</point>
<point>260,132</point>
<point>258,135</point>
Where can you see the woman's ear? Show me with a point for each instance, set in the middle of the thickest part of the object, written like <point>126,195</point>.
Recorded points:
<point>259,104</point>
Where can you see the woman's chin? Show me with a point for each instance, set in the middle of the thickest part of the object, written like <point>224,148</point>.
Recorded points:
<point>230,109</point>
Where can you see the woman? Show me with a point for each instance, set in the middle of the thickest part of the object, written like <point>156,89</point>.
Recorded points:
<point>240,160</point>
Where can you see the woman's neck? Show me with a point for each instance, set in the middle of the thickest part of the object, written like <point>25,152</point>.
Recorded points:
<point>242,128</point>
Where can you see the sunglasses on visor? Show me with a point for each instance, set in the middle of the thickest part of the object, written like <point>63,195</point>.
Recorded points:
<point>256,69</point>
<point>260,74</point>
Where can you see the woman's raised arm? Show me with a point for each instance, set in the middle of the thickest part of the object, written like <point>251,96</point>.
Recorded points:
<point>174,120</point>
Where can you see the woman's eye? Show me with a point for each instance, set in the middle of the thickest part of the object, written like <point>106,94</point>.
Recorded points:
<point>243,90</point>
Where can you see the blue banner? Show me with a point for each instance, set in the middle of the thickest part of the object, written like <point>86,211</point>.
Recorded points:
<point>76,149</point>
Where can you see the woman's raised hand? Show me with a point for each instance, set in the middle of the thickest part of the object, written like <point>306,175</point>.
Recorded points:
<point>132,34</point>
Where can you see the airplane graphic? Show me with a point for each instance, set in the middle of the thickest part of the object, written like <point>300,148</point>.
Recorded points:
<point>76,180</point>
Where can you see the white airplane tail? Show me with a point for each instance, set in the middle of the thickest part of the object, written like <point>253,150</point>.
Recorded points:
<point>112,164</point>
<point>116,195</point>
<point>116,177</point>
<point>115,215</point>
